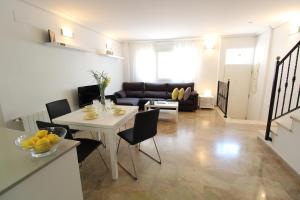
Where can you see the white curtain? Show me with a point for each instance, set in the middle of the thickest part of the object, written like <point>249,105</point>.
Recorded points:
<point>175,61</point>
<point>143,62</point>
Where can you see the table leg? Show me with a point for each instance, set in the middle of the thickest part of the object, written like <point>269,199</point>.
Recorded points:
<point>110,135</point>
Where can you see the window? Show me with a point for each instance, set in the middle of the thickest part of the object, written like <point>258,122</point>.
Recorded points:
<point>242,56</point>
<point>165,64</point>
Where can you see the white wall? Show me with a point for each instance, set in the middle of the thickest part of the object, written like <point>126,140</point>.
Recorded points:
<point>259,75</point>
<point>208,72</point>
<point>2,124</point>
<point>281,43</point>
<point>233,42</point>
<point>32,74</point>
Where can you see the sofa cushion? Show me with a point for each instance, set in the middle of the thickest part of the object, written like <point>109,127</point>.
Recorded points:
<point>135,94</point>
<point>174,94</point>
<point>155,94</point>
<point>180,94</point>
<point>133,86</point>
<point>187,93</point>
<point>128,101</point>
<point>171,86</point>
<point>155,87</point>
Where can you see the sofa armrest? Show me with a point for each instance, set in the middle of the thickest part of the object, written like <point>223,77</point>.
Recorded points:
<point>120,94</point>
<point>194,94</point>
<point>194,97</point>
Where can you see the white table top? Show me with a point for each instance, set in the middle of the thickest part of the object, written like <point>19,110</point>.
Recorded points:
<point>105,119</point>
<point>166,104</point>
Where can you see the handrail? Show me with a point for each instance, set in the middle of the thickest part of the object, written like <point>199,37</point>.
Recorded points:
<point>222,96</point>
<point>289,53</point>
<point>283,66</point>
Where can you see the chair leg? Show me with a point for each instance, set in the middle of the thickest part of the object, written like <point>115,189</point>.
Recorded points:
<point>102,159</point>
<point>104,141</point>
<point>80,164</point>
<point>158,161</point>
<point>92,136</point>
<point>134,176</point>
<point>118,146</point>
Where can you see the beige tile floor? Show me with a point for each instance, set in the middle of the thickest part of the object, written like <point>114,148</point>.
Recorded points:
<point>203,158</point>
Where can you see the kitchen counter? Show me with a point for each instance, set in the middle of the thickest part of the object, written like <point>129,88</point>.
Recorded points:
<point>16,165</point>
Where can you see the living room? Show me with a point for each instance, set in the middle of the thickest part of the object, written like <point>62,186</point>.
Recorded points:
<point>149,53</point>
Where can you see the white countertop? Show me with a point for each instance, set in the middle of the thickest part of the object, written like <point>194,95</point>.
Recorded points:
<point>16,164</point>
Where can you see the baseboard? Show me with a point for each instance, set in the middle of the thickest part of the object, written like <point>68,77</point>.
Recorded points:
<point>238,121</point>
<point>281,160</point>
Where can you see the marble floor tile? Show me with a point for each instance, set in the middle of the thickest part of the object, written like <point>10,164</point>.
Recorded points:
<point>203,158</point>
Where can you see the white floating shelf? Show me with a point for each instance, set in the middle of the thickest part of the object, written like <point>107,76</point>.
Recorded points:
<point>77,48</point>
<point>65,46</point>
<point>108,55</point>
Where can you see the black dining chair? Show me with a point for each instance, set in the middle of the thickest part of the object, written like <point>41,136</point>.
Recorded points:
<point>145,127</point>
<point>59,108</point>
<point>86,146</point>
<point>112,97</point>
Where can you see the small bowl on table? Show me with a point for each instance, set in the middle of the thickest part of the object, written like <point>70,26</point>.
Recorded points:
<point>43,143</point>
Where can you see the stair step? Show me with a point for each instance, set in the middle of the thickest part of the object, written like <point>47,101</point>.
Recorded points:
<point>274,129</point>
<point>295,117</point>
<point>285,123</point>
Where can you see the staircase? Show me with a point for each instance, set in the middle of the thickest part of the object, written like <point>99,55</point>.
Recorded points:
<point>285,142</point>
<point>282,133</point>
<point>285,94</point>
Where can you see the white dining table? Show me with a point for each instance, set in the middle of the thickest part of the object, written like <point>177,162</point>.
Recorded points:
<point>106,123</point>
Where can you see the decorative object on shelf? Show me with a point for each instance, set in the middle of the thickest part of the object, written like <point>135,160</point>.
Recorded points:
<point>108,48</point>
<point>51,35</point>
<point>103,81</point>
<point>103,52</point>
<point>109,52</point>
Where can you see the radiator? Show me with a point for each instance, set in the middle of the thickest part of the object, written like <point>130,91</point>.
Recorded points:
<point>29,121</point>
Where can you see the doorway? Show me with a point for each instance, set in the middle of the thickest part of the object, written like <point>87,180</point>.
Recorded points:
<point>240,77</point>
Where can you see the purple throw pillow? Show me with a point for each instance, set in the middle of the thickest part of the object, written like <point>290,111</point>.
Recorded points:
<point>187,93</point>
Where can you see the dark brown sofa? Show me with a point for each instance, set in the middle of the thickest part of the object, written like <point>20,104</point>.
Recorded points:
<point>138,93</point>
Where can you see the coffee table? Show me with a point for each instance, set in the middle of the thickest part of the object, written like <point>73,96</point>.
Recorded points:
<point>164,105</point>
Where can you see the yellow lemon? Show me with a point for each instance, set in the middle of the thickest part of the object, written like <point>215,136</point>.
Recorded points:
<point>41,133</point>
<point>42,141</point>
<point>54,139</point>
<point>42,145</point>
<point>34,139</point>
<point>27,144</point>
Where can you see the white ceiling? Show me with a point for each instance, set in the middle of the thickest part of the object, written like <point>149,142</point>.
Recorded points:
<point>161,19</point>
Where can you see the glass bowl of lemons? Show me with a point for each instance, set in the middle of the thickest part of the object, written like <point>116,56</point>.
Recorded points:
<point>43,142</point>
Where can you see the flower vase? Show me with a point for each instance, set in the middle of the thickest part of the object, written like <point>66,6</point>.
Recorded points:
<point>102,98</point>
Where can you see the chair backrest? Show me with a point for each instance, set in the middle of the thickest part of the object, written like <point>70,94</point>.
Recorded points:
<point>113,98</point>
<point>42,125</point>
<point>145,125</point>
<point>58,108</point>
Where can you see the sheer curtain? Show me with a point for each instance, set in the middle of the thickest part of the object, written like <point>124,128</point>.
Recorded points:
<point>176,61</point>
<point>143,62</point>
